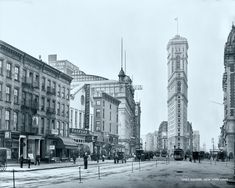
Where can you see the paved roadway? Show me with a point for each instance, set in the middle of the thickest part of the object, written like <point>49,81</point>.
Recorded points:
<point>150,174</point>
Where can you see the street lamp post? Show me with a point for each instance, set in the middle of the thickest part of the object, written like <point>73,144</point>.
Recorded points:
<point>213,148</point>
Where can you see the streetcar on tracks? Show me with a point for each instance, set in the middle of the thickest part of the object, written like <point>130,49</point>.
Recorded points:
<point>178,154</point>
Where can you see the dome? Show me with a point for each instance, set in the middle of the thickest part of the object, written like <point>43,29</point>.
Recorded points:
<point>127,79</point>
<point>231,36</point>
<point>121,73</point>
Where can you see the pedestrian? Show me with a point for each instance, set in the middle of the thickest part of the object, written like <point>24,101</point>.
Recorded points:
<point>74,159</point>
<point>21,161</point>
<point>85,160</point>
<point>103,158</point>
<point>29,162</point>
<point>37,162</point>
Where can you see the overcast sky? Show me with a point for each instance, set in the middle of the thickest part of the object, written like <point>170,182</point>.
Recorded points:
<point>88,32</point>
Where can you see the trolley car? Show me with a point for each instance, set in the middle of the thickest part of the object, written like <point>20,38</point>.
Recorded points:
<point>178,154</point>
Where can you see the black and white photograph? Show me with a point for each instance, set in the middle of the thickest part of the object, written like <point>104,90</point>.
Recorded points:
<point>117,93</point>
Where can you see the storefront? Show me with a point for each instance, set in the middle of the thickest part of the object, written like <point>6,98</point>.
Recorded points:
<point>10,140</point>
<point>60,147</point>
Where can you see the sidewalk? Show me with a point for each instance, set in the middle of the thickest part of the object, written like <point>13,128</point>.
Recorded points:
<point>47,166</point>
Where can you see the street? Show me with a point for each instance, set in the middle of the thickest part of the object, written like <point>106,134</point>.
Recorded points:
<point>148,174</point>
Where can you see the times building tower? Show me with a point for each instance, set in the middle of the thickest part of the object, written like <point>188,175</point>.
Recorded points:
<point>177,62</point>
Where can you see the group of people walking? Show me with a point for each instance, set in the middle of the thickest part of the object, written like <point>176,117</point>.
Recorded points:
<point>21,160</point>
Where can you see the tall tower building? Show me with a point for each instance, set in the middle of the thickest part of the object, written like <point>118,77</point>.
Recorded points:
<point>177,61</point>
<point>228,128</point>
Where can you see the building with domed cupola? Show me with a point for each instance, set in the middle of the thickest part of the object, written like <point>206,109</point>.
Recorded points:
<point>177,93</point>
<point>228,128</point>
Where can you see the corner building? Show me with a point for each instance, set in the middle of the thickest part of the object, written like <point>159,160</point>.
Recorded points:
<point>34,106</point>
<point>177,62</point>
<point>228,128</point>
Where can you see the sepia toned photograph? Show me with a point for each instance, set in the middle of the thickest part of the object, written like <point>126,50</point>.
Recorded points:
<point>117,93</point>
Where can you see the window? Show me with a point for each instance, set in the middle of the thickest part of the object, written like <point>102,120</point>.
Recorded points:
<point>63,92</point>
<point>71,118</point>
<point>103,103</point>
<point>9,70</point>
<point>58,108</point>
<point>36,81</point>
<point>97,125</point>
<point>110,106</point>
<point>54,86</point>
<point>98,102</point>
<point>17,72</point>
<point>177,62</point>
<point>15,121</point>
<point>23,98</point>
<point>67,96</point>
<point>43,83</point>
<point>53,124</point>
<point>49,83</point>
<point>0,91</point>
<point>8,93</point>
<point>63,112</point>
<point>67,111</point>
<point>82,100</point>
<point>48,103</point>
<point>59,90</point>
<point>103,125</point>
<point>178,86</point>
<point>7,119</point>
<point>117,129</point>
<point>43,104</point>
<point>110,115</point>
<point>53,105</point>
<point>97,113</point>
<point>16,96</point>
<point>23,122</point>
<point>58,127</point>
<point>232,68</point>
<point>31,77</point>
<point>24,76</point>
<point>103,113</point>
<point>110,127</point>
<point>1,66</point>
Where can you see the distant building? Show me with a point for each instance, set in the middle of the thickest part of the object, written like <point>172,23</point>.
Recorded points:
<point>177,61</point>
<point>189,138</point>
<point>105,124</point>
<point>63,65</point>
<point>196,141</point>
<point>149,142</point>
<point>228,128</point>
<point>163,136</point>
<point>155,140</point>
<point>128,111</point>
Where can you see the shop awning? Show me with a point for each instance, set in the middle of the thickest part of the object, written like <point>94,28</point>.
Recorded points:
<point>67,143</point>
